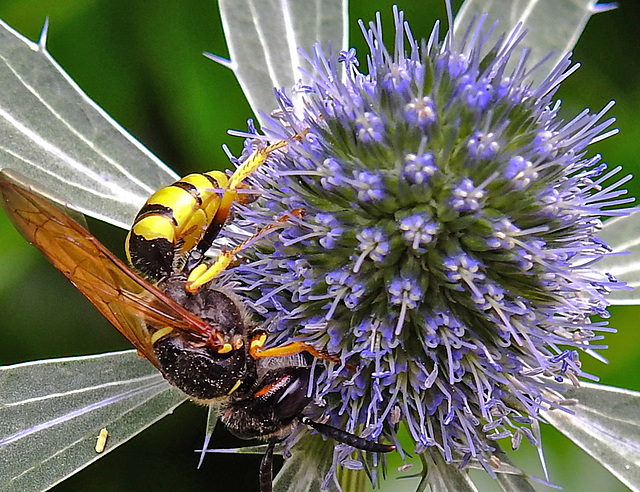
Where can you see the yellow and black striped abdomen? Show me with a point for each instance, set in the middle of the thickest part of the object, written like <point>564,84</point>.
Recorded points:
<point>173,221</point>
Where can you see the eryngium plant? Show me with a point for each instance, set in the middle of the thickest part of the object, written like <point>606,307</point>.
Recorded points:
<point>447,248</point>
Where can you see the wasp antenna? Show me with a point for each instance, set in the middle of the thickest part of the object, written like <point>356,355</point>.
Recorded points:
<point>347,438</point>
<point>266,468</point>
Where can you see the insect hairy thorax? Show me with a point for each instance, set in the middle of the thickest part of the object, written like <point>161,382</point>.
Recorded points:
<point>260,397</point>
<point>200,370</point>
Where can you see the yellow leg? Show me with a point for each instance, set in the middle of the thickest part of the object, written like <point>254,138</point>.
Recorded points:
<point>203,274</point>
<point>293,348</point>
<point>255,160</point>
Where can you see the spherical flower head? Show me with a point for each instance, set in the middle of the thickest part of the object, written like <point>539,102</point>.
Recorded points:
<point>446,248</point>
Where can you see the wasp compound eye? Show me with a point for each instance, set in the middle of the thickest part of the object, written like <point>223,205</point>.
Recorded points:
<point>277,399</point>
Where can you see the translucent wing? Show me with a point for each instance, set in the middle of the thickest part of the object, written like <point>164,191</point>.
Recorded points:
<point>53,133</point>
<point>128,301</point>
<point>264,36</point>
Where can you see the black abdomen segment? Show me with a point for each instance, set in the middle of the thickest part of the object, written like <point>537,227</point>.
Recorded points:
<point>151,242</point>
<point>173,221</point>
<point>153,258</point>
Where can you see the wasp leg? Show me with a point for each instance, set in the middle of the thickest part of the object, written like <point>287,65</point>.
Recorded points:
<point>203,274</point>
<point>292,348</point>
<point>253,162</point>
<point>347,438</point>
<point>266,468</point>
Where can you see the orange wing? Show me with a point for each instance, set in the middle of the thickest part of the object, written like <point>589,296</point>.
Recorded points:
<point>134,306</point>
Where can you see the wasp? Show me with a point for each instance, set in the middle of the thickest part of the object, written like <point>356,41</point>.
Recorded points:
<point>201,338</point>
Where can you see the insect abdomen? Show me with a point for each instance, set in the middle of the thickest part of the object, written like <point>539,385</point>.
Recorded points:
<point>172,222</point>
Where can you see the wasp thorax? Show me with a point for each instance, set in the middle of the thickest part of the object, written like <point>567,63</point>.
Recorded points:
<point>201,370</point>
<point>222,310</point>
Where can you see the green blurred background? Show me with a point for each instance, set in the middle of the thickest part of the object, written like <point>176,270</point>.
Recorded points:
<point>142,62</point>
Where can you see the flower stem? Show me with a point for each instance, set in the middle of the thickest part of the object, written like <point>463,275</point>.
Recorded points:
<point>352,480</point>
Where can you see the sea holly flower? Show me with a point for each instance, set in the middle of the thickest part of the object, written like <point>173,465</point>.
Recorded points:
<point>119,391</point>
<point>461,285</point>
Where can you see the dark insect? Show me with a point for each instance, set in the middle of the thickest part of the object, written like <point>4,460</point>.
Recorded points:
<point>201,339</point>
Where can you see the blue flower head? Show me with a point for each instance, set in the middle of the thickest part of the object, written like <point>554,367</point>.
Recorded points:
<point>446,249</point>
